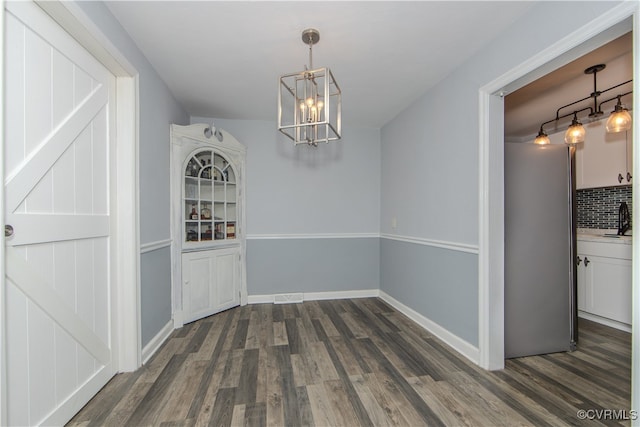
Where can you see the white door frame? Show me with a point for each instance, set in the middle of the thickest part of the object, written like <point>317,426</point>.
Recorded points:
<point>125,251</point>
<point>491,179</point>
<point>3,341</point>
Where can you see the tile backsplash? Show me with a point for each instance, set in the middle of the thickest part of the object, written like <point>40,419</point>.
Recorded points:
<point>598,207</point>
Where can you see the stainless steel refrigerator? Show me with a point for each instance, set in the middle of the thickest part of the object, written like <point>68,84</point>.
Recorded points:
<point>540,270</point>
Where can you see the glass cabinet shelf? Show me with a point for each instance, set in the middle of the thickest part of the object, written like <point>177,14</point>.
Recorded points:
<point>209,198</point>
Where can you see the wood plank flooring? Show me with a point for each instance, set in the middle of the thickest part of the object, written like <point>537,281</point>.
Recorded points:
<point>356,362</point>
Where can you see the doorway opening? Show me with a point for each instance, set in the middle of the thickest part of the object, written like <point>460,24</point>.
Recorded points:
<point>491,153</point>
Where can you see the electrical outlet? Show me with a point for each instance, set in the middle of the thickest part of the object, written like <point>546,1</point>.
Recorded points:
<point>394,222</point>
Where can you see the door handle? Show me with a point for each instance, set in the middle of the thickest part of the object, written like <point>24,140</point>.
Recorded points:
<point>628,177</point>
<point>8,230</point>
<point>579,260</point>
<point>586,261</point>
<point>620,178</point>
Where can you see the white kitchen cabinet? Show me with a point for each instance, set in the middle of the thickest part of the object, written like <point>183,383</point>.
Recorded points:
<point>604,282</point>
<point>604,159</point>
<point>210,282</point>
<point>207,222</point>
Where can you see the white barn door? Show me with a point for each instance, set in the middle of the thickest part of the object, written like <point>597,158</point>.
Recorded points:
<point>59,115</point>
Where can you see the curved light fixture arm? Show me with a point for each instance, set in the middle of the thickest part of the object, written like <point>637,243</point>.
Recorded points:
<point>573,113</point>
<point>615,97</point>
<point>596,93</point>
<point>568,105</point>
<point>618,85</point>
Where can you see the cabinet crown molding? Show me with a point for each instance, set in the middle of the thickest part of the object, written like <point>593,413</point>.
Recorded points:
<point>199,131</point>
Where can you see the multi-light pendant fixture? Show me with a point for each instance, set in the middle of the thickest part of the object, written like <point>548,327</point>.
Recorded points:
<point>619,120</point>
<point>310,102</point>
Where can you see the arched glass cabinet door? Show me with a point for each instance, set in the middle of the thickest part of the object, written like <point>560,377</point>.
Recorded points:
<point>209,197</point>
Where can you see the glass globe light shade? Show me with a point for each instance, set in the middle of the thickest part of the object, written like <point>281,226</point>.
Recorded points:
<point>576,132</point>
<point>542,138</point>
<point>619,120</point>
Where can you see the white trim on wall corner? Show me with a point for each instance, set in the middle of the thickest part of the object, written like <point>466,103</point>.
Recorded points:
<point>154,246</point>
<point>468,350</point>
<point>313,296</point>
<point>454,246</point>
<point>313,236</point>
<point>155,343</point>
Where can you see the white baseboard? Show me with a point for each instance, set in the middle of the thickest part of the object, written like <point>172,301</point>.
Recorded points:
<point>312,296</point>
<point>365,293</point>
<point>458,344</point>
<point>604,321</point>
<point>155,343</point>
<point>261,299</point>
<point>178,320</point>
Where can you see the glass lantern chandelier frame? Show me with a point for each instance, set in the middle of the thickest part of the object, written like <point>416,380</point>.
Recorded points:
<point>314,99</point>
<point>594,111</point>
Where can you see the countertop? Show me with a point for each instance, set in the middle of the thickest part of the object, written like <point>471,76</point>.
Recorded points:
<point>600,235</point>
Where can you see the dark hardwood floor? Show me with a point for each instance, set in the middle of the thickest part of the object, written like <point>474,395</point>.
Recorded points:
<point>357,362</point>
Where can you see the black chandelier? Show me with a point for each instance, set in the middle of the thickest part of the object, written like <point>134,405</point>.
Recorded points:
<point>619,120</point>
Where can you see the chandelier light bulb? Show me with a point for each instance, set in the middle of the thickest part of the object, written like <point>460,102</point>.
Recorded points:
<point>619,120</point>
<point>576,132</point>
<point>542,138</point>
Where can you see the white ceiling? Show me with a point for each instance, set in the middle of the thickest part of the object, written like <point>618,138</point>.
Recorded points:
<point>223,59</point>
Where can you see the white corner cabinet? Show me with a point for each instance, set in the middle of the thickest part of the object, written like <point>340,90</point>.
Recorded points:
<point>603,159</point>
<point>604,280</point>
<point>207,221</point>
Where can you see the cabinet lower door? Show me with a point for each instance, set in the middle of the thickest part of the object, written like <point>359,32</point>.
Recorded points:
<point>608,287</point>
<point>211,282</point>
<point>582,285</point>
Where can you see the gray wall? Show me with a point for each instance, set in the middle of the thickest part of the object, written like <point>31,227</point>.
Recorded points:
<point>430,151</point>
<point>155,270</point>
<point>312,265</point>
<point>434,282</point>
<point>333,189</point>
<point>158,109</point>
